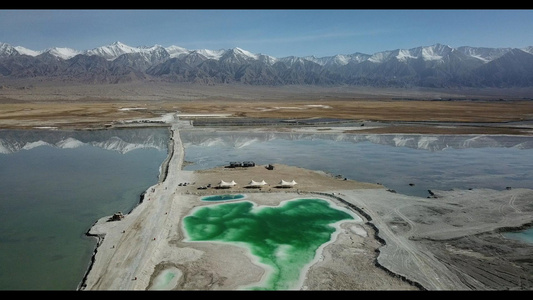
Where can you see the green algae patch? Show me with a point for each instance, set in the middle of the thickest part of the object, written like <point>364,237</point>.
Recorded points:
<point>285,238</point>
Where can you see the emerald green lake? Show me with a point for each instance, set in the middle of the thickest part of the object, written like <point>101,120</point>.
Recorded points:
<point>285,238</point>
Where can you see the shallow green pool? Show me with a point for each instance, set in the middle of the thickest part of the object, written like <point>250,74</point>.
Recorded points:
<point>285,237</point>
<point>223,197</point>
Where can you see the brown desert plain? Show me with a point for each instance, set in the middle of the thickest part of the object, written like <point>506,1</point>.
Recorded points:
<point>451,241</point>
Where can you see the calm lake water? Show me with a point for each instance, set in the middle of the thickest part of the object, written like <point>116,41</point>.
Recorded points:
<point>396,161</point>
<point>54,186</point>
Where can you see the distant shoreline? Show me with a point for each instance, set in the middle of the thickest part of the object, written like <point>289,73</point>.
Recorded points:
<point>54,105</point>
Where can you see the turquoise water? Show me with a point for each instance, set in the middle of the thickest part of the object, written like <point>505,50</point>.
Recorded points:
<point>224,197</point>
<point>51,196</point>
<point>285,237</point>
<point>526,235</point>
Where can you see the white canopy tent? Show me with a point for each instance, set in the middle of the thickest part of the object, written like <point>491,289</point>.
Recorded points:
<point>224,184</point>
<point>256,183</point>
<point>284,183</point>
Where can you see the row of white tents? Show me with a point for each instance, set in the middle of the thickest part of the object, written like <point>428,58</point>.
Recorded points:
<point>282,183</point>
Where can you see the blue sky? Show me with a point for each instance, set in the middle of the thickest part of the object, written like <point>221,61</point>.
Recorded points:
<point>278,33</point>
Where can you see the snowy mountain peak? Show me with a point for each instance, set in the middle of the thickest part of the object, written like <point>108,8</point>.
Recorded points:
<point>483,54</point>
<point>25,51</point>
<point>245,53</point>
<point>426,53</point>
<point>7,50</point>
<point>211,54</point>
<point>339,59</point>
<point>63,53</point>
<point>380,56</point>
<point>404,55</point>
<point>155,47</point>
<point>176,51</point>
<point>119,44</point>
<point>112,51</point>
<point>237,55</point>
<point>435,52</point>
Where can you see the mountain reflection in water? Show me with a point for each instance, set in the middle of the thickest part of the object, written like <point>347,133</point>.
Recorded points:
<point>409,164</point>
<point>54,185</point>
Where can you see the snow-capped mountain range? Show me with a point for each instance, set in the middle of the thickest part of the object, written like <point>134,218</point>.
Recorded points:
<point>116,49</point>
<point>432,66</point>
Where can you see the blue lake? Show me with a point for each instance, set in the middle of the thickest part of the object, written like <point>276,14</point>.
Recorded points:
<point>54,186</point>
<point>396,161</point>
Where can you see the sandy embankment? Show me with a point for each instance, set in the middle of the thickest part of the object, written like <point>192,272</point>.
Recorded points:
<point>127,247</point>
<point>403,242</point>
